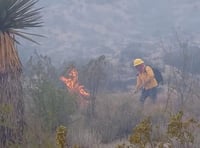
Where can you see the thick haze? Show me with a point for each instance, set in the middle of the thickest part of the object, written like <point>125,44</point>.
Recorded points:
<point>90,28</point>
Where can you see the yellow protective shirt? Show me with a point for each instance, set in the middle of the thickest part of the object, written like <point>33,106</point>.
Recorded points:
<point>146,79</point>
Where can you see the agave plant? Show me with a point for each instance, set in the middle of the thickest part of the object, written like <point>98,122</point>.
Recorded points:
<point>15,16</point>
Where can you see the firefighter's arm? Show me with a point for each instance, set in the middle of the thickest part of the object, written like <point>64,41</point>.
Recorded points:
<point>138,85</point>
<point>150,75</point>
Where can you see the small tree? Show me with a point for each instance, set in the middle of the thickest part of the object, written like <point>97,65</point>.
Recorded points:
<point>50,103</point>
<point>95,73</point>
<point>182,79</point>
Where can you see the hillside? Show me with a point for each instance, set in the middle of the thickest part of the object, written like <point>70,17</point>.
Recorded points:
<point>81,29</point>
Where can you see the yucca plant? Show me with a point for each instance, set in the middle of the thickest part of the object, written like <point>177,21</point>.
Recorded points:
<point>15,16</point>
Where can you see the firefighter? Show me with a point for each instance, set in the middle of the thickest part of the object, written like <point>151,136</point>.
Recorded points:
<point>146,81</point>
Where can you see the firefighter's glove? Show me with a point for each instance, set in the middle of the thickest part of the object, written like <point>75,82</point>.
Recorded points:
<point>135,91</point>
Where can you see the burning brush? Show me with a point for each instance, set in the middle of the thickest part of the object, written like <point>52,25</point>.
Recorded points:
<point>71,81</point>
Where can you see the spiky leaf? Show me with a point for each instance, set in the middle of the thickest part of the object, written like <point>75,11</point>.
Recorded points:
<point>19,14</point>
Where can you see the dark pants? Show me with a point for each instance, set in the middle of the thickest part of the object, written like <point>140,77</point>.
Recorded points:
<point>152,93</point>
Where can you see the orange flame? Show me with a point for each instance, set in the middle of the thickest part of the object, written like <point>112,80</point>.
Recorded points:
<point>73,86</point>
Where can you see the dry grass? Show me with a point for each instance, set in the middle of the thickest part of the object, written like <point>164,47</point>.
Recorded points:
<point>116,116</point>
<point>160,111</point>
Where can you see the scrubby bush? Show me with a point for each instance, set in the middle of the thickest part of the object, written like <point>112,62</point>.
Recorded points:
<point>178,133</point>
